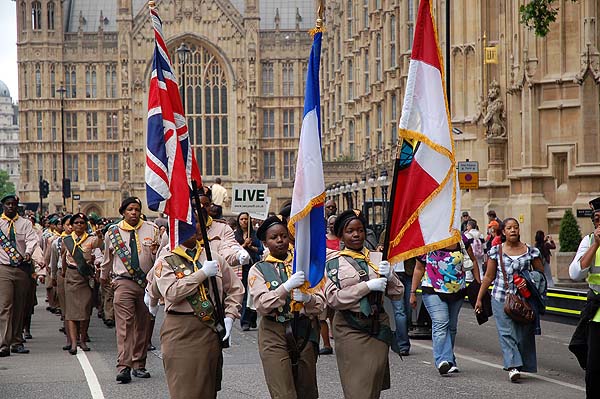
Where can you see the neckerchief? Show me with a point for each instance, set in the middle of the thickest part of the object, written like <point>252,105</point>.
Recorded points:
<point>11,228</point>
<point>362,255</point>
<point>287,263</point>
<point>127,227</point>
<point>192,255</point>
<point>78,242</point>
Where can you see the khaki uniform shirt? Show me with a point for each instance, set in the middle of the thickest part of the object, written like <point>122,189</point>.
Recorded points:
<point>148,242</point>
<point>27,238</point>
<point>165,284</point>
<point>87,247</point>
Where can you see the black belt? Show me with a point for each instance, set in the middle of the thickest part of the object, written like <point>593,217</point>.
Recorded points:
<point>71,267</point>
<point>122,278</point>
<point>359,315</point>
<point>176,313</point>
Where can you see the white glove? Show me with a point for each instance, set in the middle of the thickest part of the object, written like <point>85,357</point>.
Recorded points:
<point>153,310</point>
<point>210,268</point>
<point>147,299</point>
<point>228,321</point>
<point>384,268</point>
<point>377,284</point>
<point>300,296</point>
<point>295,281</point>
<point>243,257</point>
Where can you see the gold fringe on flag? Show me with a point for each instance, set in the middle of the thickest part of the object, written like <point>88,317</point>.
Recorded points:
<point>319,28</point>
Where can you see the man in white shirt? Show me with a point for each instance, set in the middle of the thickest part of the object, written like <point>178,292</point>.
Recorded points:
<point>219,196</point>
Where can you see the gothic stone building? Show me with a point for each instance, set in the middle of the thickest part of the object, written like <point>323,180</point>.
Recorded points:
<point>244,88</point>
<point>9,136</point>
<point>531,120</point>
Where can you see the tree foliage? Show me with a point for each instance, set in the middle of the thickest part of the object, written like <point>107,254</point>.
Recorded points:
<point>539,14</point>
<point>569,234</point>
<point>6,186</point>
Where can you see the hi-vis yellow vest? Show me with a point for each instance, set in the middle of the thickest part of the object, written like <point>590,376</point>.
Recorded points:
<point>594,277</point>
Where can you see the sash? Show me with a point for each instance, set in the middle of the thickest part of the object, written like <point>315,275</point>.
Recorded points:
<point>199,301</point>
<point>366,305</point>
<point>83,267</point>
<point>15,257</point>
<point>123,252</point>
<point>273,281</point>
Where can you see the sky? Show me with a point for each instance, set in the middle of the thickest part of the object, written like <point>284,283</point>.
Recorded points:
<point>8,47</point>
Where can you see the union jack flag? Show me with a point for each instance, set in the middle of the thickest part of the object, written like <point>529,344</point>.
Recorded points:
<point>170,161</point>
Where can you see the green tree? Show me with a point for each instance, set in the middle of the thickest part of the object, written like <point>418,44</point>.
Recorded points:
<point>539,14</point>
<point>569,234</point>
<point>6,186</point>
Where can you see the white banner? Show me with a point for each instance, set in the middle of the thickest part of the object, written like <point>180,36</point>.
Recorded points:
<point>251,198</point>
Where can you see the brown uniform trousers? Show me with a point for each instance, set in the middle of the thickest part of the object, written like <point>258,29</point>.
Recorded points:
<point>192,357</point>
<point>13,297</point>
<point>108,294</point>
<point>277,365</point>
<point>132,323</point>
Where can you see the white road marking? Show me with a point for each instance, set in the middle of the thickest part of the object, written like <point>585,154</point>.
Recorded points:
<point>90,376</point>
<point>496,366</point>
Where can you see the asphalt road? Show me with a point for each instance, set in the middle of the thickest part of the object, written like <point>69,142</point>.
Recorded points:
<point>48,372</point>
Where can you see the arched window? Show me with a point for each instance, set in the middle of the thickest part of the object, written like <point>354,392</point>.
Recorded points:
<point>351,146</point>
<point>36,15</point>
<point>23,16</point>
<point>378,68</point>
<point>392,41</point>
<point>52,81</point>
<point>206,109</point>
<point>38,81</point>
<point>51,15</point>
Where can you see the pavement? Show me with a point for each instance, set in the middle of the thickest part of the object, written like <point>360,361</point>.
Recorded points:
<point>49,372</point>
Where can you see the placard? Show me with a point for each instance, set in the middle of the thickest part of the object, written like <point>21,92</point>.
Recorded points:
<point>468,175</point>
<point>251,198</point>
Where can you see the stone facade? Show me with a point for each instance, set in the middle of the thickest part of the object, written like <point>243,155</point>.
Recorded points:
<point>9,136</point>
<point>243,93</point>
<point>531,120</point>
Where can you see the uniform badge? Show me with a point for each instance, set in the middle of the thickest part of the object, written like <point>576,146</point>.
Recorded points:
<point>333,271</point>
<point>268,284</point>
<point>179,275</point>
<point>205,304</point>
<point>274,283</point>
<point>187,272</point>
<point>158,270</point>
<point>280,309</point>
<point>251,281</point>
<point>280,319</point>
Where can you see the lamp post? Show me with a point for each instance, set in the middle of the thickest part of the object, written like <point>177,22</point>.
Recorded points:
<point>363,186</point>
<point>371,183</point>
<point>349,195</point>
<point>384,188</point>
<point>182,54</point>
<point>61,90</point>
<point>355,190</point>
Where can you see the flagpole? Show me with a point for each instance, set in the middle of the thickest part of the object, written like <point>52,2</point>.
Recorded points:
<point>386,242</point>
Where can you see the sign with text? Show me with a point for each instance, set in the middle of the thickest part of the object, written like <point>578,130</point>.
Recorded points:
<point>468,175</point>
<point>76,197</point>
<point>585,213</point>
<point>251,198</point>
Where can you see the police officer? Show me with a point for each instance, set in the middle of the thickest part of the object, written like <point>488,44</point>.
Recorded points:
<point>18,240</point>
<point>130,251</point>
<point>288,344</point>
<point>585,343</point>
<point>190,345</point>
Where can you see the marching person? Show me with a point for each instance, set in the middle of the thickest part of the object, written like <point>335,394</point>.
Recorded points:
<point>56,267</point>
<point>287,343</point>
<point>190,345</point>
<point>130,248</point>
<point>18,240</point>
<point>585,343</point>
<point>360,326</point>
<point>78,270</point>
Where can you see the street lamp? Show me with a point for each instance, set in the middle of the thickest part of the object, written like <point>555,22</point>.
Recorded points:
<point>383,182</point>
<point>183,52</point>
<point>363,186</point>
<point>371,183</point>
<point>355,190</point>
<point>61,90</point>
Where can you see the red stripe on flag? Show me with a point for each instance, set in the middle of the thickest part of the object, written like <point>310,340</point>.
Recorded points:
<point>424,45</point>
<point>156,169</point>
<point>413,238</point>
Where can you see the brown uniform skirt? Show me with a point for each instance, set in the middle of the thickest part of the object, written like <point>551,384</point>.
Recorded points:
<point>78,296</point>
<point>362,360</point>
<point>60,290</point>
<point>192,357</point>
<point>277,365</point>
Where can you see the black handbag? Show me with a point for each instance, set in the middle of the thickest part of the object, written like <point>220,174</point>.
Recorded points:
<point>516,308</point>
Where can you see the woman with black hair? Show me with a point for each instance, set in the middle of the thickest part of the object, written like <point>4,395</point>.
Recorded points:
<point>545,243</point>
<point>287,341</point>
<point>246,237</point>
<point>354,288</point>
<point>510,259</point>
<point>78,270</point>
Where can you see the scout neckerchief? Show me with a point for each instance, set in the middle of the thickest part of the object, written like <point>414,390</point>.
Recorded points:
<point>284,270</point>
<point>358,260</point>
<point>73,244</point>
<point>362,255</point>
<point>129,257</point>
<point>9,244</point>
<point>199,301</point>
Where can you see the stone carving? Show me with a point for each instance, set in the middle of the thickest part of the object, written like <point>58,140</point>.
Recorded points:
<point>494,119</point>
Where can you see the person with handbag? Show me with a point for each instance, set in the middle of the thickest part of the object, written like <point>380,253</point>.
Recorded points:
<point>442,275</point>
<point>512,312</point>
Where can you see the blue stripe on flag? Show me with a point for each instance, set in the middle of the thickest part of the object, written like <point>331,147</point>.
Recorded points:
<point>317,245</point>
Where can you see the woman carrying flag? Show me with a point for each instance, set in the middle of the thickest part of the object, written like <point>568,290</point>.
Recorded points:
<point>360,325</point>
<point>287,341</point>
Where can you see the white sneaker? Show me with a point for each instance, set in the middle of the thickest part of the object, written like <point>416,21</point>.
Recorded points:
<point>444,367</point>
<point>454,369</point>
<point>514,375</point>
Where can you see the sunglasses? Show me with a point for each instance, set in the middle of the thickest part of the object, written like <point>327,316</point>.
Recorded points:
<point>80,222</point>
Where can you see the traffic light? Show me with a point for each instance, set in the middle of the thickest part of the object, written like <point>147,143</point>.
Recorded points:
<point>44,188</point>
<point>66,188</point>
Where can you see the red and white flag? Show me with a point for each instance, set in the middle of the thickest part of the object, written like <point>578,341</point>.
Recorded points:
<point>425,204</point>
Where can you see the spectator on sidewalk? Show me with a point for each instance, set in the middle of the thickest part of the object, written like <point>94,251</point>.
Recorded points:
<point>219,197</point>
<point>545,243</point>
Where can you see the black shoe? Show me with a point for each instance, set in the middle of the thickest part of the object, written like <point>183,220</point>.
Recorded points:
<point>403,353</point>
<point>27,335</point>
<point>87,339</point>
<point>4,352</point>
<point>62,330</point>
<point>19,349</point>
<point>124,375</point>
<point>73,351</point>
<point>109,323</point>
<point>66,347</point>
<point>245,327</point>
<point>141,373</point>
<point>325,351</point>
<point>253,324</point>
